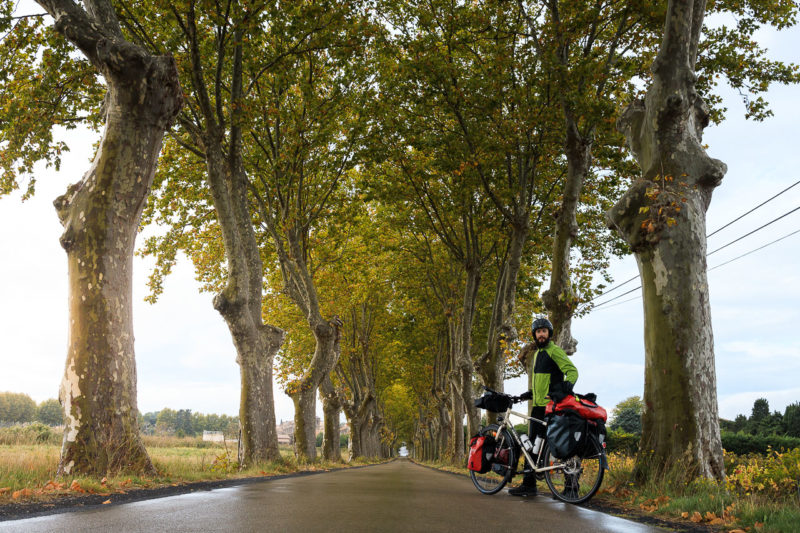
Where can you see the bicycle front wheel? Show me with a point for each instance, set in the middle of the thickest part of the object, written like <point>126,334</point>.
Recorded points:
<point>502,469</point>
<point>576,479</point>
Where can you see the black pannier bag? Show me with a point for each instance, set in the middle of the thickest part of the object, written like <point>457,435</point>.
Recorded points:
<point>567,435</point>
<point>594,445</point>
<point>481,453</point>
<point>495,403</point>
<point>595,437</point>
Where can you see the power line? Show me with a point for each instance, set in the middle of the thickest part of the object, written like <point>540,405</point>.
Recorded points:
<point>756,207</point>
<point>755,250</point>
<point>755,230</point>
<point>617,297</point>
<point>598,306</point>
<point>615,287</point>
<point>618,303</point>
<point>713,233</point>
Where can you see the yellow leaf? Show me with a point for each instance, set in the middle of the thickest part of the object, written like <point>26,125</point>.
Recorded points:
<point>696,517</point>
<point>685,514</point>
<point>107,501</point>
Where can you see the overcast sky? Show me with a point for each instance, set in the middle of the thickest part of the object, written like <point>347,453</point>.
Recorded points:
<point>186,360</point>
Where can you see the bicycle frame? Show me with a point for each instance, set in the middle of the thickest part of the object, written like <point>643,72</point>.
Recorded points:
<point>503,420</point>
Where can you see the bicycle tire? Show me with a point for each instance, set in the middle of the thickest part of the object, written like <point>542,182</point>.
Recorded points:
<point>495,479</point>
<point>579,478</point>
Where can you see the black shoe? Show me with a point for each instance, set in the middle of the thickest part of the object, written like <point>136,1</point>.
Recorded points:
<point>524,490</point>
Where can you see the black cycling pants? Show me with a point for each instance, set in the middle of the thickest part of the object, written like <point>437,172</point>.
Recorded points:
<point>534,428</point>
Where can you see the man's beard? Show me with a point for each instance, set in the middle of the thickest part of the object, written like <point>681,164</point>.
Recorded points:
<point>542,343</point>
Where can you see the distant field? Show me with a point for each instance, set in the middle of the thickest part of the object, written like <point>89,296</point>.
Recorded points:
<point>27,469</point>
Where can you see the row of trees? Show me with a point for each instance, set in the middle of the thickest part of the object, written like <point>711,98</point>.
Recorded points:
<point>627,417</point>
<point>185,423</point>
<point>762,422</point>
<point>19,408</point>
<point>374,190</point>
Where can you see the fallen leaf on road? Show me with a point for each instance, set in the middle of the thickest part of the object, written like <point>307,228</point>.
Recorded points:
<point>710,516</point>
<point>5,489</point>
<point>717,521</point>
<point>685,514</point>
<point>737,531</point>
<point>107,501</point>
<point>696,517</point>
<point>75,486</point>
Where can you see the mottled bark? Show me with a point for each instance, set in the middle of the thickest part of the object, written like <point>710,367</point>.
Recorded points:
<point>664,131</point>
<point>326,354</point>
<point>559,298</point>
<point>365,423</point>
<point>101,215</point>
<point>239,302</point>
<point>331,409</point>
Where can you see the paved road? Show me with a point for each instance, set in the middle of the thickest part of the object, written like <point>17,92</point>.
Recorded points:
<point>397,496</point>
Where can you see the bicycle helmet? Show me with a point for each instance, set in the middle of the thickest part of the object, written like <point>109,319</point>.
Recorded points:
<point>542,322</point>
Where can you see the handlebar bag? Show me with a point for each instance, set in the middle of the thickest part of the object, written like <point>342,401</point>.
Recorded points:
<point>481,452</point>
<point>495,403</point>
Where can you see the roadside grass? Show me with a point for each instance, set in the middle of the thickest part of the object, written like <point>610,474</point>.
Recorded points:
<point>28,471</point>
<point>759,495</point>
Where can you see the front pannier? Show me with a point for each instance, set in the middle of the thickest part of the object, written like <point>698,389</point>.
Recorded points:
<point>481,452</point>
<point>495,403</point>
<point>567,435</point>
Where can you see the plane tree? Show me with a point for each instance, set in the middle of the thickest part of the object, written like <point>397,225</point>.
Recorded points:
<point>101,212</point>
<point>662,218</point>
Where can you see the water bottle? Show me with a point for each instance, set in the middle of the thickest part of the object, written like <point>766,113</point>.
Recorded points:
<point>537,444</point>
<point>526,443</point>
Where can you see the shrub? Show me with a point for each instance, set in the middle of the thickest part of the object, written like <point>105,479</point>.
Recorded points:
<point>776,474</point>
<point>620,442</point>
<point>36,433</point>
<point>742,444</point>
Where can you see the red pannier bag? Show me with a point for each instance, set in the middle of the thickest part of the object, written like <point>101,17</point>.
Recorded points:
<point>586,409</point>
<point>481,452</point>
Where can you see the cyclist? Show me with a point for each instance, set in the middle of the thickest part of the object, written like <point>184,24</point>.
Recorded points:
<point>550,372</point>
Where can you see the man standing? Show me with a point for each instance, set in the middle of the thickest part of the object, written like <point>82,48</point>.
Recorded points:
<point>550,372</point>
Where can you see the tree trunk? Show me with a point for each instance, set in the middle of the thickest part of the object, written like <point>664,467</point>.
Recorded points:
<point>326,354</point>
<point>331,408</point>
<point>101,215</point>
<point>305,421</point>
<point>464,366</point>
<point>239,302</point>
<point>501,326</point>
<point>662,216</point>
<point>559,299</point>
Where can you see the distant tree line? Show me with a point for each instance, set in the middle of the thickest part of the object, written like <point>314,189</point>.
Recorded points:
<point>19,408</point>
<point>185,423</point>
<point>627,417</point>
<point>763,423</point>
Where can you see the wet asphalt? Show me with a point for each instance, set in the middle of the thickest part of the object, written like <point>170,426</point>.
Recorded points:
<point>393,497</point>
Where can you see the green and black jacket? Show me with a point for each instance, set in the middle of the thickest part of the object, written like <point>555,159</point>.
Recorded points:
<point>547,366</point>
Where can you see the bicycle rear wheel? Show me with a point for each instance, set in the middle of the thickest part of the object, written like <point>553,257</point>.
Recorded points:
<point>576,479</point>
<point>495,479</point>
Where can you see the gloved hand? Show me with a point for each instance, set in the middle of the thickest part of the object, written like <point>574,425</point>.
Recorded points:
<point>528,395</point>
